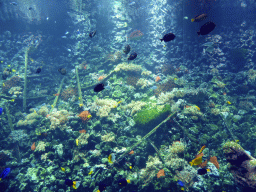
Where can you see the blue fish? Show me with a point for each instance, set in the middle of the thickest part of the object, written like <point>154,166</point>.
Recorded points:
<point>5,173</point>
<point>1,111</point>
<point>180,183</point>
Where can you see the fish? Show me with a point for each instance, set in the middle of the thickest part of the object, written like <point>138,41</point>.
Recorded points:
<point>199,18</point>
<point>123,182</point>
<point>77,142</point>
<point>91,172</point>
<point>99,87</point>
<point>63,169</point>
<point>92,34</point>
<point>5,173</point>
<point>180,183</point>
<point>102,187</point>
<point>206,28</point>
<point>209,49</point>
<point>38,70</point>
<point>62,71</point>
<point>132,56</point>
<point>127,49</point>
<point>13,3</point>
<point>201,149</point>
<point>111,158</point>
<point>74,184</point>
<point>185,17</point>
<point>132,3</point>
<point>202,171</point>
<point>30,8</point>
<point>196,161</point>
<point>168,37</point>
<point>1,111</point>
<point>208,44</point>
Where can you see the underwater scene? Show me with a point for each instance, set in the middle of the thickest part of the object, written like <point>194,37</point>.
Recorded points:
<point>128,95</point>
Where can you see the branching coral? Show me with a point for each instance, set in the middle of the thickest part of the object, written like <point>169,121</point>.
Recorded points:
<point>40,146</point>
<point>30,120</point>
<point>68,93</point>
<point>142,83</point>
<point>85,116</point>
<point>58,118</point>
<point>115,57</point>
<point>103,107</point>
<point>134,106</point>
<point>83,139</point>
<point>165,87</point>
<point>109,137</point>
<point>13,82</point>
<point>129,67</point>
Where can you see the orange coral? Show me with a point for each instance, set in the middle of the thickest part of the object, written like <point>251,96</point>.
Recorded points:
<point>101,77</point>
<point>33,146</point>
<point>131,152</point>
<point>214,161</point>
<point>84,116</point>
<point>158,78</point>
<point>160,173</point>
<point>82,131</point>
<point>203,165</point>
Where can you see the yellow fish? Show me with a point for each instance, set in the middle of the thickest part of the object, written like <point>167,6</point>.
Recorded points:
<point>74,185</point>
<point>3,84</point>
<point>32,60</point>
<point>115,106</point>
<point>8,65</point>
<point>119,102</point>
<point>110,158</point>
<point>175,79</point>
<point>80,105</point>
<point>13,70</point>
<point>182,189</point>
<point>52,106</point>
<point>164,46</point>
<point>89,116</point>
<point>130,167</point>
<point>91,172</point>
<point>63,169</point>
<point>2,61</point>
<point>196,161</point>
<point>79,98</point>
<point>197,108</point>
<point>201,149</point>
<point>77,142</point>
<point>228,102</point>
<point>12,100</point>
<point>236,141</point>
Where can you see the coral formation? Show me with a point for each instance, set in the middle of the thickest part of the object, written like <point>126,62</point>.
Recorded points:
<point>68,93</point>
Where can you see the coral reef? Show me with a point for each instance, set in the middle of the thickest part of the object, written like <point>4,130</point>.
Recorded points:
<point>68,93</point>
<point>84,116</point>
<point>12,82</point>
<point>58,119</point>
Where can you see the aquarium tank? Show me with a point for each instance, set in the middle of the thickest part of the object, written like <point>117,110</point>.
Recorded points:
<point>128,95</point>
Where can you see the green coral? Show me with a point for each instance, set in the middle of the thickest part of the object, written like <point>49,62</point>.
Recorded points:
<point>228,146</point>
<point>151,113</point>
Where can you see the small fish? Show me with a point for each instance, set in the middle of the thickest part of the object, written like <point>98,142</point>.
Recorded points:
<point>91,172</point>
<point>1,111</point>
<point>99,87</point>
<point>5,173</point>
<point>208,44</point>
<point>127,49</point>
<point>132,56</point>
<point>132,3</point>
<point>57,94</point>
<point>63,169</point>
<point>228,102</point>
<point>123,182</point>
<point>30,8</point>
<point>180,183</point>
<point>14,3</point>
<point>38,70</point>
<point>74,184</point>
<point>77,142</point>
<point>119,102</point>
<point>13,70</point>
<point>197,108</point>
<point>3,85</point>
<point>206,28</point>
<point>89,116</point>
<point>202,171</point>
<point>199,18</point>
<point>2,61</point>
<point>62,71</point>
<point>92,34</point>
<point>111,158</point>
<point>102,187</point>
<point>8,65</point>
<point>168,37</point>
<point>185,17</point>
<point>12,100</point>
<point>201,149</point>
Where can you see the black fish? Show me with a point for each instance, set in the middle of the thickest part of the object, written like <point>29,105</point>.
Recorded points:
<point>168,37</point>
<point>99,87</point>
<point>13,3</point>
<point>127,49</point>
<point>38,70</point>
<point>123,182</point>
<point>92,34</point>
<point>132,56</point>
<point>206,28</point>
<point>202,171</point>
<point>68,182</point>
<point>102,186</point>
<point>62,71</point>
<point>30,8</point>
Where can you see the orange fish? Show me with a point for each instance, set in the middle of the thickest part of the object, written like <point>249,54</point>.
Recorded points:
<point>57,94</point>
<point>158,79</point>
<point>201,149</point>
<point>33,146</point>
